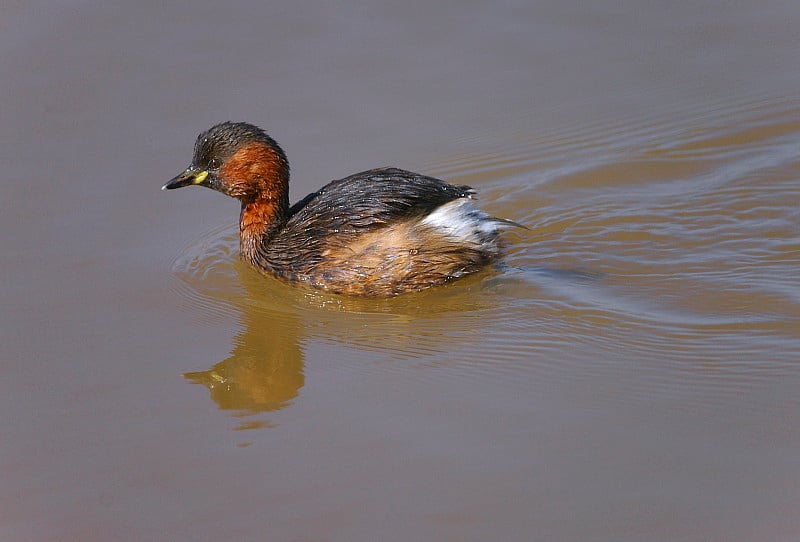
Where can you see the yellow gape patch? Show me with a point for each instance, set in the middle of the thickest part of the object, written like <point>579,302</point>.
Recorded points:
<point>200,177</point>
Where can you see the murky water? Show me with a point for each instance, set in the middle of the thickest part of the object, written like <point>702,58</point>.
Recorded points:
<point>629,372</point>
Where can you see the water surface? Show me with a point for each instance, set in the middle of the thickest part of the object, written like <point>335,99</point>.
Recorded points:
<point>628,372</point>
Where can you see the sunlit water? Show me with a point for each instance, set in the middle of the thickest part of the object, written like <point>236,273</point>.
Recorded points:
<point>667,247</point>
<point>656,291</point>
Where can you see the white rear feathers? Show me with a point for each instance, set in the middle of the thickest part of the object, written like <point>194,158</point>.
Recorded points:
<point>462,221</point>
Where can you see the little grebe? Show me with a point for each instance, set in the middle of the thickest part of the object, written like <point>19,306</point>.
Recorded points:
<point>378,233</point>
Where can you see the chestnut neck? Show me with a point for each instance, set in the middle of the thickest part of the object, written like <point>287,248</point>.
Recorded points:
<point>258,175</point>
<point>259,222</point>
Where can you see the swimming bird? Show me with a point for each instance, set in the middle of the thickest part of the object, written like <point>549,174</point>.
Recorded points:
<point>377,233</point>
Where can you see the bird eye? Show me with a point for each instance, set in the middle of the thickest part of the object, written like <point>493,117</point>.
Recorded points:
<point>213,163</point>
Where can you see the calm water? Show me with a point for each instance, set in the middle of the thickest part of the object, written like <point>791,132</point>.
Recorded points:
<point>630,372</point>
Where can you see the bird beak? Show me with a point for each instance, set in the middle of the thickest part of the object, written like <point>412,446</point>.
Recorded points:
<point>189,177</point>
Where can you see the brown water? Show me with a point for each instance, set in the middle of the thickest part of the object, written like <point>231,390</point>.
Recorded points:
<point>630,372</point>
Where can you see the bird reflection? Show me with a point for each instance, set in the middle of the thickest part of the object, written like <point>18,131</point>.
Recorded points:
<point>264,371</point>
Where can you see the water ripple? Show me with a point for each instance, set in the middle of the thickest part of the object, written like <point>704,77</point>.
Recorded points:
<point>661,249</point>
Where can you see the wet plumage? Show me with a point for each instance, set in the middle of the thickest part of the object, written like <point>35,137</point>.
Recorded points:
<point>377,233</point>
